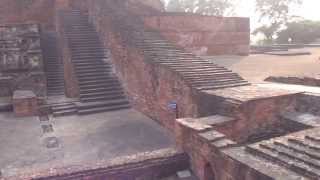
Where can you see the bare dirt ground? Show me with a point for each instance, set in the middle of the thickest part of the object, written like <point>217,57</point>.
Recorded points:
<point>255,68</point>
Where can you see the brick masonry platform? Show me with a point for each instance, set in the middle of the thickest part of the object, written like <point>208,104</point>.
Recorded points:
<point>38,147</point>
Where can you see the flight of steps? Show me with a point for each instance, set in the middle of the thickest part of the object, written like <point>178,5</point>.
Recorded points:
<point>53,64</point>
<point>100,89</point>
<point>298,154</point>
<point>63,109</point>
<point>303,118</point>
<point>201,74</point>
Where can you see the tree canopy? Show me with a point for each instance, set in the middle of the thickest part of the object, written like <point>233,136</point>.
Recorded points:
<point>205,7</point>
<point>275,14</point>
<point>304,31</point>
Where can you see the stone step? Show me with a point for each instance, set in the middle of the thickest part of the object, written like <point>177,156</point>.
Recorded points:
<point>182,60</point>
<point>285,161</point>
<point>92,72</point>
<point>87,48</point>
<point>100,54</point>
<point>95,74</point>
<point>211,76</point>
<point>82,37</point>
<point>83,69</point>
<point>201,81</point>
<point>86,60</point>
<point>292,154</point>
<point>96,86</point>
<point>305,144</point>
<point>84,106</point>
<point>89,45</point>
<point>55,85</point>
<point>302,118</point>
<point>104,109</point>
<point>300,149</point>
<point>87,66</point>
<point>189,65</point>
<point>99,81</point>
<point>216,82</point>
<point>63,107</point>
<point>68,112</point>
<point>213,87</point>
<point>92,64</point>
<point>89,56</point>
<point>84,41</point>
<point>97,77</point>
<point>202,71</point>
<point>103,98</point>
<point>97,47</point>
<point>81,32</point>
<point>100,90</point>
<point>101,93</point>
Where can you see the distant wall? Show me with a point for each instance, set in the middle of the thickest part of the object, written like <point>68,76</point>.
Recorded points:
<point>35,11</point>
<point>204,35</point>
<point>155,4</point>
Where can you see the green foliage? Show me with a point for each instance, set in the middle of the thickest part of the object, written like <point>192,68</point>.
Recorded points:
<point>267,31</point>
<point>276,14</point>
<point>205,7</point>
<point>305,31</point>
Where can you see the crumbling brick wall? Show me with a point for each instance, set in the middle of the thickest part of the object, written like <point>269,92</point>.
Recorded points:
<point>204,35</point>
<point>150,87</point>
<point>21,63</point>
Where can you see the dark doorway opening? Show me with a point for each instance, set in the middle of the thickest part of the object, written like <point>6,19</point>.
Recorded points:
<point>208,172</point>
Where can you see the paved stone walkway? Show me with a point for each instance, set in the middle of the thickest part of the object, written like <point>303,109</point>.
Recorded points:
<point>28,144</point>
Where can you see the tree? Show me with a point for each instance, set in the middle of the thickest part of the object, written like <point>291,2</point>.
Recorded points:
<point>297,32</point>
<point>276,15</point>
<point>205,7</point>
<point>268,31</point>
<point>275,11</point>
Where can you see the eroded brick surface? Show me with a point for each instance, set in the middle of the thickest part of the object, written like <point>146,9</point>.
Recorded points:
<point>21,61</point>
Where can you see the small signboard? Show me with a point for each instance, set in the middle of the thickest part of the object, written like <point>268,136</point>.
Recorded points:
<point>172,105</point>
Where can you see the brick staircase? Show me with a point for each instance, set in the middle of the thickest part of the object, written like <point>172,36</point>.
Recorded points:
<point>299,154</point>
<point>201,74</point>
<point>100,90</point>
<point>52,64</point>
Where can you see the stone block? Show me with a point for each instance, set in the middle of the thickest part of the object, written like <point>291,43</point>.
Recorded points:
<point>5,86</point>
<point>25,103</point>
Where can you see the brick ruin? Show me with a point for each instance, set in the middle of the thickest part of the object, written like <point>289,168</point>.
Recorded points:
<point>100,56</point>
<point>21,59</point>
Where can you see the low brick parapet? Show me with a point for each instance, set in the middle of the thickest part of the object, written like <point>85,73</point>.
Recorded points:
<point>25,103</point>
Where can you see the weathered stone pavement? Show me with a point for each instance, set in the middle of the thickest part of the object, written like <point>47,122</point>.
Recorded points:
<point>32,145</point>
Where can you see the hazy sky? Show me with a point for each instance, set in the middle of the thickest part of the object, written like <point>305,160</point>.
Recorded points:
<point>310,9</point>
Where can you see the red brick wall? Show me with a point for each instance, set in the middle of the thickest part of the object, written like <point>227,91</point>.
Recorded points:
<point>71,82</point>
<point>204,35</point>
<point>149,86</point>
<point>203,153</point>
<point>17,11</point>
